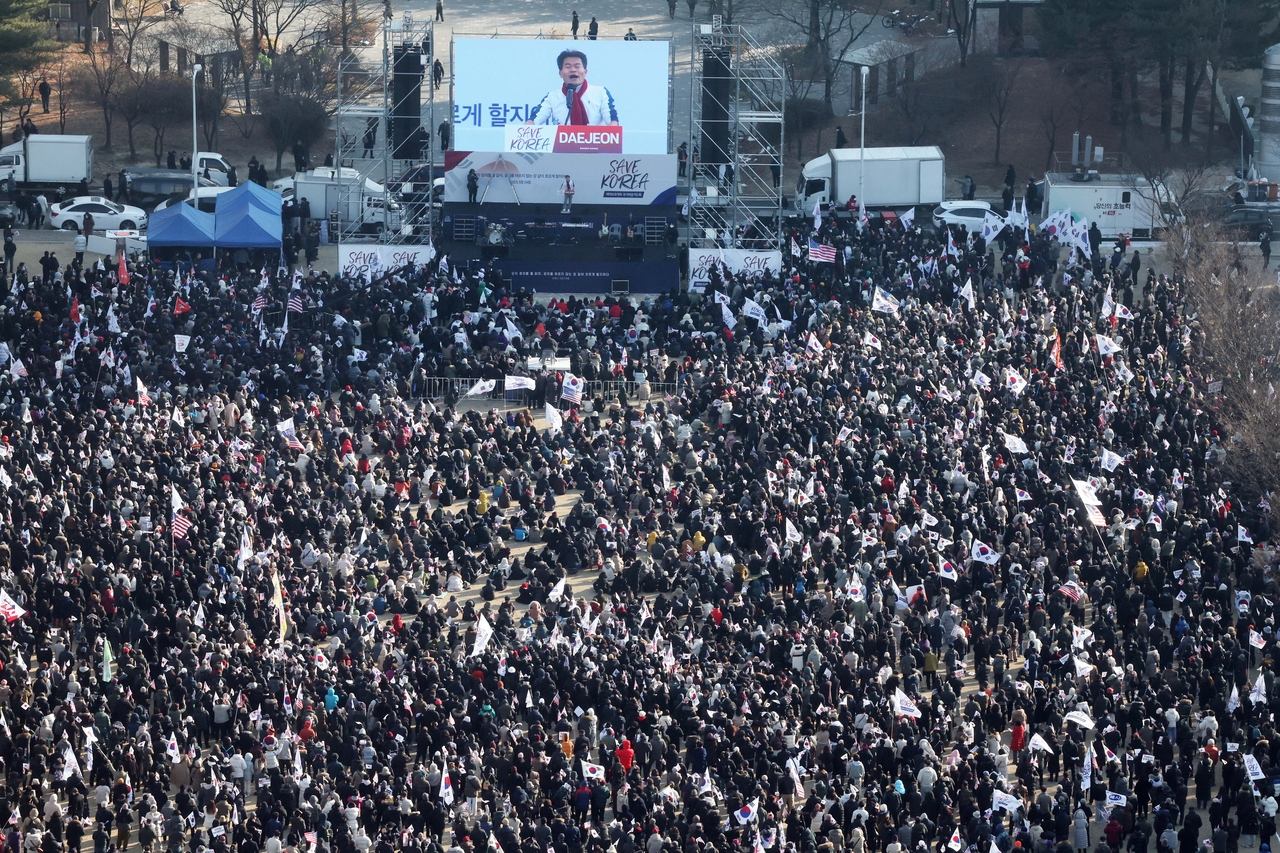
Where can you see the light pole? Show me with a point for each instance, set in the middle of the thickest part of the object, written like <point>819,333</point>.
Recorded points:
<point>195,140</point>
<point>862,154</point>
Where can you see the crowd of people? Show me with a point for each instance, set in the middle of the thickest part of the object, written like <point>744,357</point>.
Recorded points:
<point>908,551</point>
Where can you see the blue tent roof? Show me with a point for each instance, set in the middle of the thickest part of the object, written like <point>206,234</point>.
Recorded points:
<point>264,198</point>
<point>180,225</point>
<point>247,227</point>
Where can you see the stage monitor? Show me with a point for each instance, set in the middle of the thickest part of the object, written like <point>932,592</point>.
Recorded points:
<point>545,96</point>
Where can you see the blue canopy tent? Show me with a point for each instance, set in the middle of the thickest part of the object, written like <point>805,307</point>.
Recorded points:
<point>264,198</point>
<point>180,225</point>
<point>247,226</point>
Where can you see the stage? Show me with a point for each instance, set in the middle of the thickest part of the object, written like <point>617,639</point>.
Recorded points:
<point>592,249</point>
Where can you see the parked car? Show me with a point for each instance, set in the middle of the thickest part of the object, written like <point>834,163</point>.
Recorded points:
<point>1247,223</point>
<point>967,213</point>
<point>208,199</point>
<point>146,188</point>
<point>107,215</point>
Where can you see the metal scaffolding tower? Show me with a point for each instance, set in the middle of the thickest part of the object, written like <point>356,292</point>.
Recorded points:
<point>360,205</point>
<point>736,100</point>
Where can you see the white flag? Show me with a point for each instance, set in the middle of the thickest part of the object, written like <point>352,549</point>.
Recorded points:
<point>1008,802</point>
<point>754,311</point>
<point>793,535</point>
<point>1015,444</point>
<point>967,293</point>
<point>558,590</point>
<point>484,633</point>
<point>555,421</point>
<point>518,383</point>
<point>1111,461</point>
<point>181,342</point>
<point>1258,694</point>
<point>1039,743</point>
<point>484,386</point>
<point>903,706</point>
<point>1080,718</point>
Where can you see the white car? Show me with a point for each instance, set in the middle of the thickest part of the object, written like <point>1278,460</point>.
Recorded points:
<point>967,213</point>
<point>208,199</point>
<point>107,215</point>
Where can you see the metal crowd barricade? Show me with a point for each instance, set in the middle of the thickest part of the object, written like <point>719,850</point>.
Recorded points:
<point>456,387</point>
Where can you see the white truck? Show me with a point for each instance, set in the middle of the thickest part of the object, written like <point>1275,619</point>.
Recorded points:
<point>895,178</point>
<point>47,159</point>
<point>1119,204</point>
<point>369,211</point>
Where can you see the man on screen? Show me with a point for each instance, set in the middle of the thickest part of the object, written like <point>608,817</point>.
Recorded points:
<point>575,103</point>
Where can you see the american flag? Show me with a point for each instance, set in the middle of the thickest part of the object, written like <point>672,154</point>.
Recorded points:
<point>572,390</point>
<point>260,304</point>
<point>294,444</point>
<point>818,253</point>
<point>295,303</point>
<point>144,399</point>
<point>181,524</point>
<point>1072,590</point>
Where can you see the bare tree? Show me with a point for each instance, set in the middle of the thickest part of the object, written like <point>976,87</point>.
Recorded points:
<point>131,101</point>
<point>211,104</point>
<point>1002,86</point>
<point>831,28</point>
<point>99,78</point>
<point>170,102</point>
<point>135,17</point>
<point>62,88</point>
<point>90,8</point>
<point>1053,114</point>
<point>238,13</point>
<point>962,20</point>
<point>298,20</point>
<point>1234,308</point>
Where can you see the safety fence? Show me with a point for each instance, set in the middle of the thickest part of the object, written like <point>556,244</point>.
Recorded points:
<point>478,390</point>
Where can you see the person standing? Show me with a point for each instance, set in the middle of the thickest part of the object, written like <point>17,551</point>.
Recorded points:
<point>682,159</point>
<point>842,141</point>
<point>671,7</point>
<point>573,25</point>
<point>444,135</point>
<point>630,36</point>
<point>473,186</point>
<point>10,249</point>
<point>437,73</point>
<point>45,91</point>
<point>1264,243</point>
<point>439,10</point>
<point>370,138</point>
<point>593,29</point>
<point>568,189</point>
<point>1135,265</point>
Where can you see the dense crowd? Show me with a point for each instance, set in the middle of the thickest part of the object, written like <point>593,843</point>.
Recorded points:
<point>918,551</point>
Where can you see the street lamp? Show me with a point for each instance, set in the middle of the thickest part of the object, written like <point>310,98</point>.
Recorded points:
<point>195,139</point>
<point>862,154</point>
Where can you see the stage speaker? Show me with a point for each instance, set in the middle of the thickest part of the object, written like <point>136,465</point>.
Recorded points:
<point>407,136</point>
<point>620,286</point>
<point>716,90</point>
